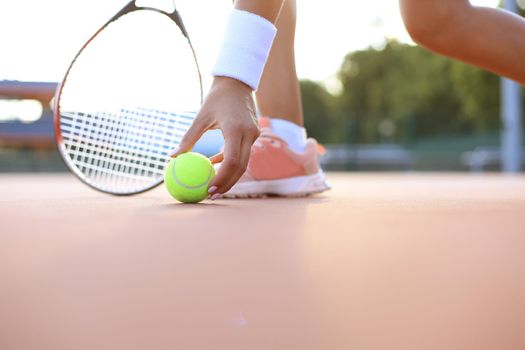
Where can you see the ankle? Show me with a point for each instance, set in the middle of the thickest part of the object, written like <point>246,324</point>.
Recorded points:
<point>294,135</point>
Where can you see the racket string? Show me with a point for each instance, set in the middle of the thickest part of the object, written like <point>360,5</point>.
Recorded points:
<point>143,130</point>
<point>123,149</point>
<point>106,135</point>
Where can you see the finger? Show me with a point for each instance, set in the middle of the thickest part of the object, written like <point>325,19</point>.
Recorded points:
<point>247,141</point>
<point>231,164</point>
<point>245,148</point>
<point>189,139</point>
<point>219,157</point>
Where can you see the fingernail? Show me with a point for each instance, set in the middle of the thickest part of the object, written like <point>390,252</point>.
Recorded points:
<point>212,189</point>
<point>171,153</point>
<point>215,196</point>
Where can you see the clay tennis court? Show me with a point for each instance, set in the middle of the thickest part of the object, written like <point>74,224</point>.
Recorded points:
<point>383,261</point>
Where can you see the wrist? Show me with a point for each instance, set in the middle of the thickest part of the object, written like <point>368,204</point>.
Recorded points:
<point>246,47</point>
<point>220,82</point>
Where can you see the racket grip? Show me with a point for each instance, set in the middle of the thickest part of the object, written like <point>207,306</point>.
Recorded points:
<point>247,43</point>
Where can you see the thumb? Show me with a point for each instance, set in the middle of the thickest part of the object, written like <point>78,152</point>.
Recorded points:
<point>189,139</point>
<point>219,157</point>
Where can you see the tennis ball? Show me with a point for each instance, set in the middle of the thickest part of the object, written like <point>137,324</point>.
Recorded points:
<point>188,176</point>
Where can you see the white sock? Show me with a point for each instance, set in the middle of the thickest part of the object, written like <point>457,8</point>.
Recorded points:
<point>293,134</point>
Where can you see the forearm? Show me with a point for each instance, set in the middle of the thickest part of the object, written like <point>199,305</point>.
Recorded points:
<point>229,105</point>
<point>268,9</point>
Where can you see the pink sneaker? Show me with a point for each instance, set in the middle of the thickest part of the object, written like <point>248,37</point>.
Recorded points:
<point>275,169</point>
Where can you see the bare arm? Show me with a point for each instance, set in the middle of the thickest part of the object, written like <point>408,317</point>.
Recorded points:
<point>229,106</point>
<point>268,9</point>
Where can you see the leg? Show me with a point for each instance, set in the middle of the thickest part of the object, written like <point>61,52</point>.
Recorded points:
<point>489,38</point>
<point>283,162</point>
<point>279,95</point>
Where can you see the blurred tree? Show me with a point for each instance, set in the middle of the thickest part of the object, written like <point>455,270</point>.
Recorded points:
<point>400,82</point>
<point>404,90</point>
<point>319,112</point>
<point>479,94</point>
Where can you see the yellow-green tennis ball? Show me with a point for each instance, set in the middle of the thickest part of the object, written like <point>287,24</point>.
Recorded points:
<point>188,176</point>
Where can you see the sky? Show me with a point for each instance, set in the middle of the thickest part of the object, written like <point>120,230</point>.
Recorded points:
<point>39,38</point>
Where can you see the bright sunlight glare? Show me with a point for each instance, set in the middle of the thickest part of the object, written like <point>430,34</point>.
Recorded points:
<point>40,37</point>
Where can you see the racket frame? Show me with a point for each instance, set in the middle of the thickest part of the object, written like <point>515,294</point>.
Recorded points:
<point>129,8</point>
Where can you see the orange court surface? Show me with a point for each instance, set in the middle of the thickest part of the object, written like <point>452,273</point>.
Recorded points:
<point>382,261</point>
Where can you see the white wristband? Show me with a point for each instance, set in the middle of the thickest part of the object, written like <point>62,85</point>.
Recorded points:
<point>247,43</point>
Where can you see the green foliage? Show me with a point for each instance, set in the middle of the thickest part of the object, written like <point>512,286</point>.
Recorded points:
<point>420,93</point>
<point>319,112</point>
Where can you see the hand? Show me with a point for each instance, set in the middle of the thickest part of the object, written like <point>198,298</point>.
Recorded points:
<point>229,106</point>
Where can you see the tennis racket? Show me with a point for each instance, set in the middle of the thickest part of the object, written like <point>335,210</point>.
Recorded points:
<point>127,99</point>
